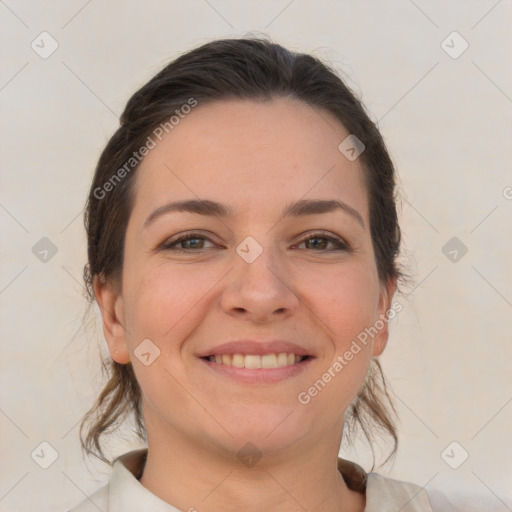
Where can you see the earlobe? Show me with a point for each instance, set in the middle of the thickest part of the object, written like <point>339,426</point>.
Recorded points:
<point>386,296</point>
<point>110,302</point>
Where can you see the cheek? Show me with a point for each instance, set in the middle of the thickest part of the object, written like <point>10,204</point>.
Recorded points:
<point>345,301</point>
<point>165,301</point>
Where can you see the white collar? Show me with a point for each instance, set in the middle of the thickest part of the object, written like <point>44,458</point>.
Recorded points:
<point>127,494</point>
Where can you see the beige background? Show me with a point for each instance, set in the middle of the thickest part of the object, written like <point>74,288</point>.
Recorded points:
<point>448,126</point>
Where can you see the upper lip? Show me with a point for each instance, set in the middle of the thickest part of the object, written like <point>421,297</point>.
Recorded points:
<point>245,347</point>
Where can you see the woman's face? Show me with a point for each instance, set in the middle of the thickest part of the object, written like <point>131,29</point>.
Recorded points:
<point>274,264</point>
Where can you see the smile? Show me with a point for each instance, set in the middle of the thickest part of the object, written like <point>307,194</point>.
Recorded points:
<point>255,361</point>
<point>255,369</point>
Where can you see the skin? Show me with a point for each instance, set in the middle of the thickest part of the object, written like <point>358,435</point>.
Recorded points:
<point>255,157</point>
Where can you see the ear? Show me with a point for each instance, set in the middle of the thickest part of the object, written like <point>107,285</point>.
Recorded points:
<point>387,290</point>
<point>110,302</point>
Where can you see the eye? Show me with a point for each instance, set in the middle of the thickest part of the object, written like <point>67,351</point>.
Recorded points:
<point>195,241</point>
<point>187,242</point>
<point>319,242</point>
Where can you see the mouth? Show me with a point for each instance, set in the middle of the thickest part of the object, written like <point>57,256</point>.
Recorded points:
<point>257,361</point>
<point>256,369</point>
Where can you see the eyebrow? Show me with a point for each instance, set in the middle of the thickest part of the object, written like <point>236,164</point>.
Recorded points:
<point>300,208</point>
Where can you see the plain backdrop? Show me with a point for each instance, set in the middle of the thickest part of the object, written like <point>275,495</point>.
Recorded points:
<point>445,111</point>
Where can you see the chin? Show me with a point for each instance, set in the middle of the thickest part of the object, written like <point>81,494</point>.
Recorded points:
<point>269,429</point>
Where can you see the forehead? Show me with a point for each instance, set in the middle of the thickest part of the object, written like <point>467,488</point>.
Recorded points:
<point>252,155</point>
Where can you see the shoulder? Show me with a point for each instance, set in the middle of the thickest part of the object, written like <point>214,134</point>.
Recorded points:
<point>124,492</point>
<point>96,501</point>
<point>389,495</point>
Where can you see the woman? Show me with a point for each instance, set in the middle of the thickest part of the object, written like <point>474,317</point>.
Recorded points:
<point>242,244</point>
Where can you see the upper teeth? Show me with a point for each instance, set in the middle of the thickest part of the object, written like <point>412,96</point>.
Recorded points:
<point>257,361</point>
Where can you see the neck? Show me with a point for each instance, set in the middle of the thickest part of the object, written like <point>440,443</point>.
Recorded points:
<point>191,477</point>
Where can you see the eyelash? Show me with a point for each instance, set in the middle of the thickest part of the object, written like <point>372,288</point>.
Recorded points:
<point>170,245</point>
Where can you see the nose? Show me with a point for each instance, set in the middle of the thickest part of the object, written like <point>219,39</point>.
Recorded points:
<point>260,291</point>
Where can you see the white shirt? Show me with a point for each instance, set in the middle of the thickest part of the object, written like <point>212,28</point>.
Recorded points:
<point>124,493</point>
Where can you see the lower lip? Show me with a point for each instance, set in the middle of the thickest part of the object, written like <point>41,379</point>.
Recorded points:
<point>260,375</point>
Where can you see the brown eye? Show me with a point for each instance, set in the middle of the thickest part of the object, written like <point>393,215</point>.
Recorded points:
<point>320,242</point>
<point>186,243</point>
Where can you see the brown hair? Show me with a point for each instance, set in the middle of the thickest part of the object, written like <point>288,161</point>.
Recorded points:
<point>253,69</point>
